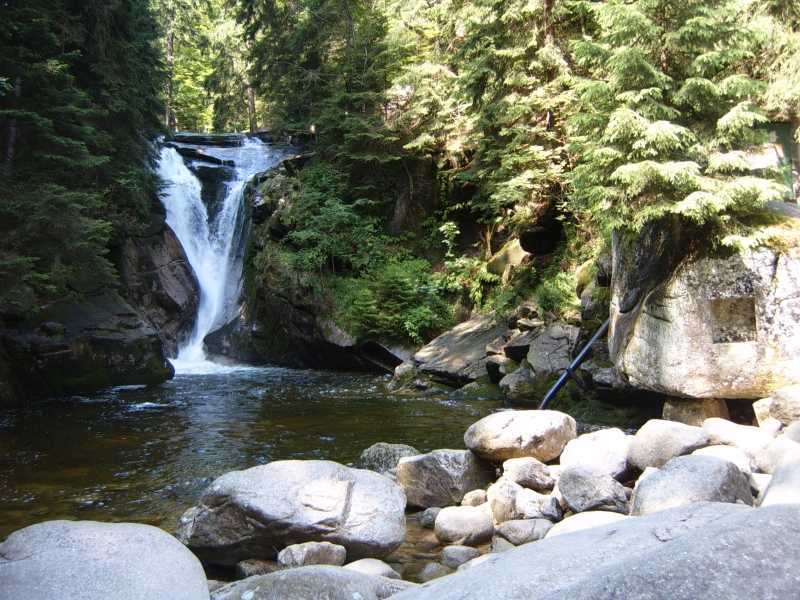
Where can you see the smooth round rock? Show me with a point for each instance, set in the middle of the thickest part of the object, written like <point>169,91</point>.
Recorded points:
<point>659,441</point>
<point>373,566</point>
<point>584,520</point>
<point>583,489</point>
<point>541,434</point>
<point>604,451</point>
<point>87,560</point>
<point>455,556</point>
<point>383,457</point>
<point>524,531</point>
<point>731,454</point>
<point>530,473</point>
<point>312,553</point>
<point>464,525</point>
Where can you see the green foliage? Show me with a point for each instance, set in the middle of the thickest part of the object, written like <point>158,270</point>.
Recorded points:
<point>74,123</point>
<point>667,105</point>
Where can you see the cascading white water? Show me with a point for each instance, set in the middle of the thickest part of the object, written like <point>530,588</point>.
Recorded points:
<point>210,243</point>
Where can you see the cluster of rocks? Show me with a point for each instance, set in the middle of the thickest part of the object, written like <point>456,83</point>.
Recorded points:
<point>529,509</point>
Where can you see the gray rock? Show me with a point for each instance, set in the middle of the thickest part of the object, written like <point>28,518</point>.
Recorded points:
<point>255,512</point>
<point>312,583</point>
<point>500,544</point>
<point>254,566</point>
<point>529,472</point>
<point>583,489</point>
<point>433,571</point>
<point>524,531</point>
<point>464,525</point>
<point>604,451</point>
<point>459,355</point>
<point>521,385</point>
<point>659,441</point>
<point>474,498</point>
<point>533,505</point>
<point>312,553</point>
<point>690,479</point>
<point>455,556</point>
<point>516,348</point>
<point>427,517</point>
<point>498,366</point>
<point>441,477</point>
<point>783,405</point>
<point>486,558</point>
<point>584,520</point>
<point>383,457</point>
<point>373,566</point>
<point>759,483</point>
<point>751,440</point>
<point>541,434</point>
<point>792,432</point>
<point>551,349</point>
<point>699,551</point>
<point>725,326</point>
<point>784,486</point>
<point>777,452</point>
<point>731,454</point>
<point>86,560</point>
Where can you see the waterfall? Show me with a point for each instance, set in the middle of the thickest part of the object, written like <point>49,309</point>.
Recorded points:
<point>211,239</point>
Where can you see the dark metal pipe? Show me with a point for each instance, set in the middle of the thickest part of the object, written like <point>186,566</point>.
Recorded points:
<point>570,370</point>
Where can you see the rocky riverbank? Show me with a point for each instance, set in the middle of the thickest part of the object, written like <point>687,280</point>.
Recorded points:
<point>529,509</point>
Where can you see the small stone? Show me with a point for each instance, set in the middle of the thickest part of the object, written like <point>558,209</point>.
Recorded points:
<point>373,566</point>
<point>529,472</point>
<point>694,412</point>
<point>502,500</point>
<point>659,441</point>
<point>524,531</point>
<point>253,566</point>
<point>499,545</point>
<point>464,525</point>
<point>312,553</point>
<point>474,498</point>
<point>427,517</point>
<point>532,505</point>
<point>604,451</point>
<point>584,520</point>
<point>433,571</point>
<point>455,556</point>
<point>783,405</point>
<point>690,479</point>
<point>383,457</point>
<point>583,489</point>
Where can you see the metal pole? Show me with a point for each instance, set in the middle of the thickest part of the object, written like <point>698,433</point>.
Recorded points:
<point>570,370</point>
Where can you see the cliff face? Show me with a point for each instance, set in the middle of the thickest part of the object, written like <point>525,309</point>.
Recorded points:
<point>159,282</point>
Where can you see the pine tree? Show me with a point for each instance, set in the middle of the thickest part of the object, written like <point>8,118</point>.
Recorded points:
<point>667,110</point>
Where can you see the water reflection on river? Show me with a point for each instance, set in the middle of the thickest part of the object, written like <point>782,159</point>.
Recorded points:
<point>145,454</point>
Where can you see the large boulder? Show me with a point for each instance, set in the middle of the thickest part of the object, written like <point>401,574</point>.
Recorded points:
<point>256,512</point>
<point>541,434</point>
<point>700,551</point>
<point>524,531</point>
<point>711,326</point>
<point>441,477</point>
<point>690,479</point>
<point>312,583</point>
<point>78,347</point>
<point>504,261</point>
<point>529,472</point>
<point>551,349</point>
<point>312,553</point>
<point>694,412</point>
<point>86,560</point>
<point>659,441</point>
<point>459,355</point>
<point>383,457</point>
<point>784,487</point>
<point>585,520</point>
<point>521,386</point>
<point>604,451</point>
<point>373,566</point>
<point>583,489</point>
<point>750,440</point>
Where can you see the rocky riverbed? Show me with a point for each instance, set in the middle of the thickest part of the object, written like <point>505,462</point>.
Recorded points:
<point>528,509</point>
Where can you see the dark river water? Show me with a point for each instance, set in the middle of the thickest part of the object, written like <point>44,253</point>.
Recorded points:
<point>146,454</point>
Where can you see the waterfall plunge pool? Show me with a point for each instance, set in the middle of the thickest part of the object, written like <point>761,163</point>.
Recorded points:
<point>146,454</point>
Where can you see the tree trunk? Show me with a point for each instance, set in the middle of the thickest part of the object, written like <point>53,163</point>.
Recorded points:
<point>11,132</point>
<point>251,108</point>
<point>169,117</point>
<point>549,27</point>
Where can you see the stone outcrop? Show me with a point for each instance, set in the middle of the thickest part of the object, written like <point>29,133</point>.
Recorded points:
<point>700,551</point>
<point>82,347</point>
<point>710,326</point>
<point>256,512</point>
<point>86,560</point>
<point>158,280</point>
